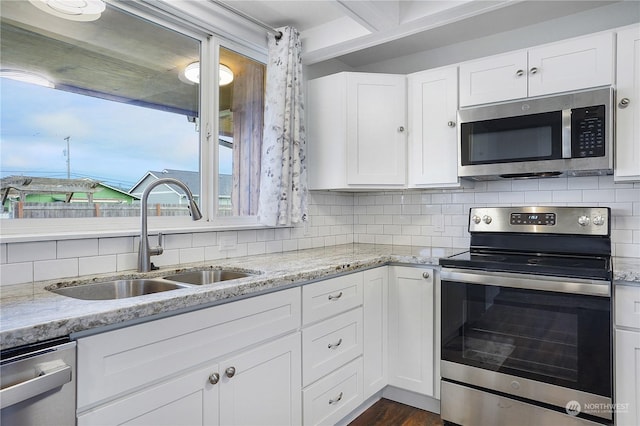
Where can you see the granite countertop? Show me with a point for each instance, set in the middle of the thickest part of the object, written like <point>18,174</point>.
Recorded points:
<point>29,313</point>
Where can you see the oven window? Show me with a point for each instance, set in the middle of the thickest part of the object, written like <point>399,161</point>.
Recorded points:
<point>527,138</point>
<point>556,338</point>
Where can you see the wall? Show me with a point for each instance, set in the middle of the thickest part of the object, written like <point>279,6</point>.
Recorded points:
<point>438,218</point>
<point>434,219</point>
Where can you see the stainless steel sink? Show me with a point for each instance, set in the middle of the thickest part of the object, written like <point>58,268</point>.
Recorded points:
<point>117,289</point>
<point>209,276</point>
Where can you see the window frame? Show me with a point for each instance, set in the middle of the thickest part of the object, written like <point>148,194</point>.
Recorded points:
<point>19,230</point>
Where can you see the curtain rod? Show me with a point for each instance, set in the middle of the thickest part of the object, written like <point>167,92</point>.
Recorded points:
<point>277,34</point>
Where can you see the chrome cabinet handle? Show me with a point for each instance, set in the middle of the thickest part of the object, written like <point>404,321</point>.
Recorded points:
<point>401,129</point>
<point>335,345</point>
<point>451,123</point>
<point>230,372</point>
<point>533,70</point>
<point>624,102</point>
<point>519,73</point>
<point>336,297</point>
<point>335,400</point>
<point>425,275</point>
<point>214,378</point>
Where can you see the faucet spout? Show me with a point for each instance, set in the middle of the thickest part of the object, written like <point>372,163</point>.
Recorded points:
<point>145,251</point>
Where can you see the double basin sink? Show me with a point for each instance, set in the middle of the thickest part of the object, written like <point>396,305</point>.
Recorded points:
<point>119,289</point>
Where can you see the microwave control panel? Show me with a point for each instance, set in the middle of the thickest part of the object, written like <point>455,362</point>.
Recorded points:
<point>588,132</point>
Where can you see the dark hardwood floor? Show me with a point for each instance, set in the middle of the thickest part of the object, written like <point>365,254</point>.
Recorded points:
<point>390,413</point>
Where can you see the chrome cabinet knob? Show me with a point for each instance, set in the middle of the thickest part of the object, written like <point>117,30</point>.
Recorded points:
<point>519,73</point>
<point>425,275</point>
<point>335,345</point>
<point>533,70</point>
<point>335,297</point>
<point>336,399</point>
<point>583,220</point>
<point>624,102</point>
<point>214,378</point>
<point>401,129</point>
<point>451,123</point>
<point>230,372</point>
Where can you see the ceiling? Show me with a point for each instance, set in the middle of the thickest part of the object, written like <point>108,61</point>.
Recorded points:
<point>361,32</point>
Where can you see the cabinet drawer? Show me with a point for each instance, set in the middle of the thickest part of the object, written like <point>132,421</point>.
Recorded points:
<point>335,396</point>
<point>330,344</point>
<point>627,306</point>
<point>116,362</point>
<point>330,297</point>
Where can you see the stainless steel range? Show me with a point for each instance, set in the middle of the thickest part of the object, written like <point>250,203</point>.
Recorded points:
<point>526,319</point>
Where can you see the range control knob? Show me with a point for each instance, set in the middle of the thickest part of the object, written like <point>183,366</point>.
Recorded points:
<point>583,220</point>
<point>486,219</point>
<point>598,220</point>
<point>476,219</point>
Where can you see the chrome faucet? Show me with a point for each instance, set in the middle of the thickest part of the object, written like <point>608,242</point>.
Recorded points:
<point>145,252</point>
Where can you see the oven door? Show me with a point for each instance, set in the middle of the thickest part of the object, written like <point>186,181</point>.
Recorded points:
<point>543,339</point>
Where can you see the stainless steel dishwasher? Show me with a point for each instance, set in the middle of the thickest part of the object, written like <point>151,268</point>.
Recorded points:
<point>38,385</point>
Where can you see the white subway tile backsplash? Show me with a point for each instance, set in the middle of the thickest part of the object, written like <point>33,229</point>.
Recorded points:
<point>115,245</point>
<point>55,269</point>
<point>191,255</point>
<point>15,273</point>
<point>24,252</point>
<point>97,265</point>
<point>3,253</point>
<point>174,241</point>
<point>77,248</point>
<point>632,194</point>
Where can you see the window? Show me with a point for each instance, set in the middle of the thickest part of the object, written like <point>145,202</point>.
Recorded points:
<point>117,108</point>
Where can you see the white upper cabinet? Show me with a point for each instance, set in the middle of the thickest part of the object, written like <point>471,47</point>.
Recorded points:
<point>627,164</point>
<point>357,131</point>
<point>553,68</point>
<point>433,142</point>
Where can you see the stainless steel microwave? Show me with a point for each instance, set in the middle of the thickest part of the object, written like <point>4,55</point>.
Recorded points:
<point>568,134</point>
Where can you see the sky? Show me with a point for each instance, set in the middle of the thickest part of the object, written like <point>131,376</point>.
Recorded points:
<point>109,141</point>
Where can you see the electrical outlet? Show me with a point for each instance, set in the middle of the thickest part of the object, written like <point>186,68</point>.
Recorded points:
<point>227,243</point>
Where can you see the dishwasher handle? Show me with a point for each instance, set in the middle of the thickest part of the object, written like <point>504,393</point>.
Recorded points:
<point>50,376</point>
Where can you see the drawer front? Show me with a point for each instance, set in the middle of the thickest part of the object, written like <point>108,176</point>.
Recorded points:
<point>627,306</point>
<point>335,396</point>
<point>330,297</point>
<point>115,362</point>
<point>331,344</point>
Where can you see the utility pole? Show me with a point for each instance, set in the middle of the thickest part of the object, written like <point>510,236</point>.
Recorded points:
<point>68,153</point>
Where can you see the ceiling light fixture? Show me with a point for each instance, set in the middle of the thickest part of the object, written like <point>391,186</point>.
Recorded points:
<point>26,77</point>
<point>74,10</point>
<point>191,73</point>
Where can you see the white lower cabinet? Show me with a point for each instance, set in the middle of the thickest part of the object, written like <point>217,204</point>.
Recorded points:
<point>376,338</point>
<point>627,355</point>
<point>264,389</point>
<point>233,364</point>
<point>411,329</point>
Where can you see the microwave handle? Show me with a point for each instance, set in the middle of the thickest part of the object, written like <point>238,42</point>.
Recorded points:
<point>566,133</point>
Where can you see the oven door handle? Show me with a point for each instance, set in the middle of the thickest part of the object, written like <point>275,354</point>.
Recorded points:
<point>525,281</point>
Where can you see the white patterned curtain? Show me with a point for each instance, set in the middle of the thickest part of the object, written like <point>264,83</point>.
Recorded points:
<point>283,182</point>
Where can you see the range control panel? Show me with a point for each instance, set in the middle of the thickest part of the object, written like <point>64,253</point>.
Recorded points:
<point>549,220</point>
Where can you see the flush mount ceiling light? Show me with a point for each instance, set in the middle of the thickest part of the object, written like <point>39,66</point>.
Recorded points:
<point>191,73</point>
<point>26,77</point>
<point>74,10</point>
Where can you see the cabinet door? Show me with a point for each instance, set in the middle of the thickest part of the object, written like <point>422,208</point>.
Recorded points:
<point>376,136</point>
<point>433,141</point>
<point>571,65</point>
<point>262,386</point>
<point>375,317</point>
<point>189,399</point>
<point>627,165</point>
<point>627,395</point>
<point>411,333</point>
<point>493,79</point>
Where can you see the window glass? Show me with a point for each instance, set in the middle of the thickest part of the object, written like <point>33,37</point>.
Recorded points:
<point>117,112</point>
<point>241,106</point>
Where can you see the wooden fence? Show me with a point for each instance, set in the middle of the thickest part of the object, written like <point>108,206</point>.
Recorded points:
<point>20,210</point>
